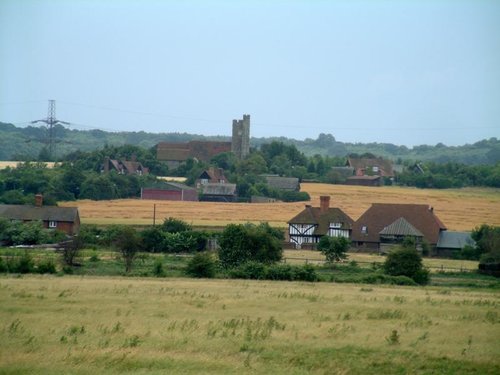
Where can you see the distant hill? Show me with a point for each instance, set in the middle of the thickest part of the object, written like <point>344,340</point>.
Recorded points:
<point>26,143</point>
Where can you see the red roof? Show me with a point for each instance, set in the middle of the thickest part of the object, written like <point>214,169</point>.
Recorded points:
<point>381,215</point>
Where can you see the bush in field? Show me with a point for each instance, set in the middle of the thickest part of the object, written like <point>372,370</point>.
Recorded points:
<point>46,266</point>
<point>306,272</point>
<point>173,225</point>
<point>3,266</point>
<point>201,265</point>
<point>249,270</point>
<point>259,271</point>
<point>242,243</point>
<point>334,248</point>
<point>24,264</point>
<point>127,242</point>
<point>406,261</point>
<point>158,270</point>
<point>279,272</point>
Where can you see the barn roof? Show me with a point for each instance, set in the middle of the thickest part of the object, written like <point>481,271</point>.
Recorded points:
<point>283,183</point>
<point>314,216</point>
<point>381,215</point>
<point>385,166</point>
<point>454,240</point>
<point>33,213</point>
<point>401,227</point>
<point>219,189</point>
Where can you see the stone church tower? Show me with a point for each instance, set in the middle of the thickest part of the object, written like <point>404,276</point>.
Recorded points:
<point>240,144</point>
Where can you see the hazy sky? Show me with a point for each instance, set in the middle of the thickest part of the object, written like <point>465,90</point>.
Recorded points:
<point>405,72</point>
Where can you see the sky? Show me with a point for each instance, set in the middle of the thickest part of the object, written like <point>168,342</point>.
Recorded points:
<point>402,72</point>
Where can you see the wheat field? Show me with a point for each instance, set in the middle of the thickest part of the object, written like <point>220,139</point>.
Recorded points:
<point>87,325</point>
<point>459,209</point>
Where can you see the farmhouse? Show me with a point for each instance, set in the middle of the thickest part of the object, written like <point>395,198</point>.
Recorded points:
<point>385,224</point>
<point>307,228</point>
<point>211,175</point>
<point>170,191</point>
<point>364,181</point>
<point>66,219</point>
<point>124,167</point>
<point>371,167</point>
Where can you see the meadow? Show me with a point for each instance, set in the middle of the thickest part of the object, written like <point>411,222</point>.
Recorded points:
<point>459,209</point>
<point>84,325</point>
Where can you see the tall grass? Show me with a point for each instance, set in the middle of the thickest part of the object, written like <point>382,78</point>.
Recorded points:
<point>76,324</point>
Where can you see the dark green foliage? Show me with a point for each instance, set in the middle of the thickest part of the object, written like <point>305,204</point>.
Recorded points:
<point>127,242</point>
<point>152,239</point>
<point>3,266</point>
<point>158,270</point>
<point>24,264</point>
<point>334,248</point>
<point>487,239</point>
<point>242,243</point>
<point>173,225</point>
<point>30,233</point>
<point>406,261</point>
<point>46,266</point>
<point>202,265</point>
<point>259,271</point>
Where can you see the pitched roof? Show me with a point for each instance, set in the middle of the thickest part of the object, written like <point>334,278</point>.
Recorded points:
<point>214,174</point>
<point>283,183</point>
<point>385,166</point>
<point>454,240</point>
<point>202,150</point>
<point>44,213</point>
<point>401,227</point>
<point>381,215</point>
<point>313,215</point>
<point>219,189</point>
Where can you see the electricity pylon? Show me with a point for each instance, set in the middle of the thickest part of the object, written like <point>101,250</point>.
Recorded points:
<point>51,121</point>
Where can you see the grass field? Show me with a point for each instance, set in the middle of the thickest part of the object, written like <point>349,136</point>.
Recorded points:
<point>86,325</point>
<point>459,209</point>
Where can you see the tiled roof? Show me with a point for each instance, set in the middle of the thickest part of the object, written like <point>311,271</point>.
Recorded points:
<point>385,166</point>
<point>313,215</point>
<point>283,183</point>
<point>401,227</point>
<point>381,215</point>
<point>44,213</point>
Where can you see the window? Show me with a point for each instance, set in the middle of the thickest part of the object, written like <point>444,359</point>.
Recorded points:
<point>52,224</point>
<point>364,229</point>
<point>335,225</point>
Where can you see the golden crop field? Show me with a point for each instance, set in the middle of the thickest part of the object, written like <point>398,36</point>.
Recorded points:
<point>459,209</point>
<point>13,164</point>
<point>88,325</point>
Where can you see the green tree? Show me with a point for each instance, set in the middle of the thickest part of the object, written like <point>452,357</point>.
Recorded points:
<point>241,243</point>
<point>406,261</point>
<point>334,248</point>
<point>127,242</point>
<point>173,225</point>
<point>201,265</point>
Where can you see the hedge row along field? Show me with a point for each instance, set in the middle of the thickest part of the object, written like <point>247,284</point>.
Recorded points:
<point>88,325</point>
<point>459,209</point>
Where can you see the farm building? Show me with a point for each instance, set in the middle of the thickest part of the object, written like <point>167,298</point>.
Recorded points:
<point>385,224</point>
<point>371,167</point>
<point>283,183</point>
<point>451,243</point>
<point>218,193</point>
<point>364,181</point>
<point>211,175</point>
<point>66,219</point>
<point>171,191</point>
<point>307,228</point>
<point>124,167</point>
<point>174,154</point>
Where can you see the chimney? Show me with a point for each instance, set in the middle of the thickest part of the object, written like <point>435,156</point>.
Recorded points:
<point>39,200</point>
<point>324,203</point>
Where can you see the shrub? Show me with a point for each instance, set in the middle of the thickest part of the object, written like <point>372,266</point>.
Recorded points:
<point>201,265</point>
<point>24,264</point>
<point>3,266</point>
<point>158,270</point>
<point>46,266</point>
<point>334,248</point>
<point>279,272</point>
<point>249,270</point>
<point>305,273</point>
<point>406,261</point>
